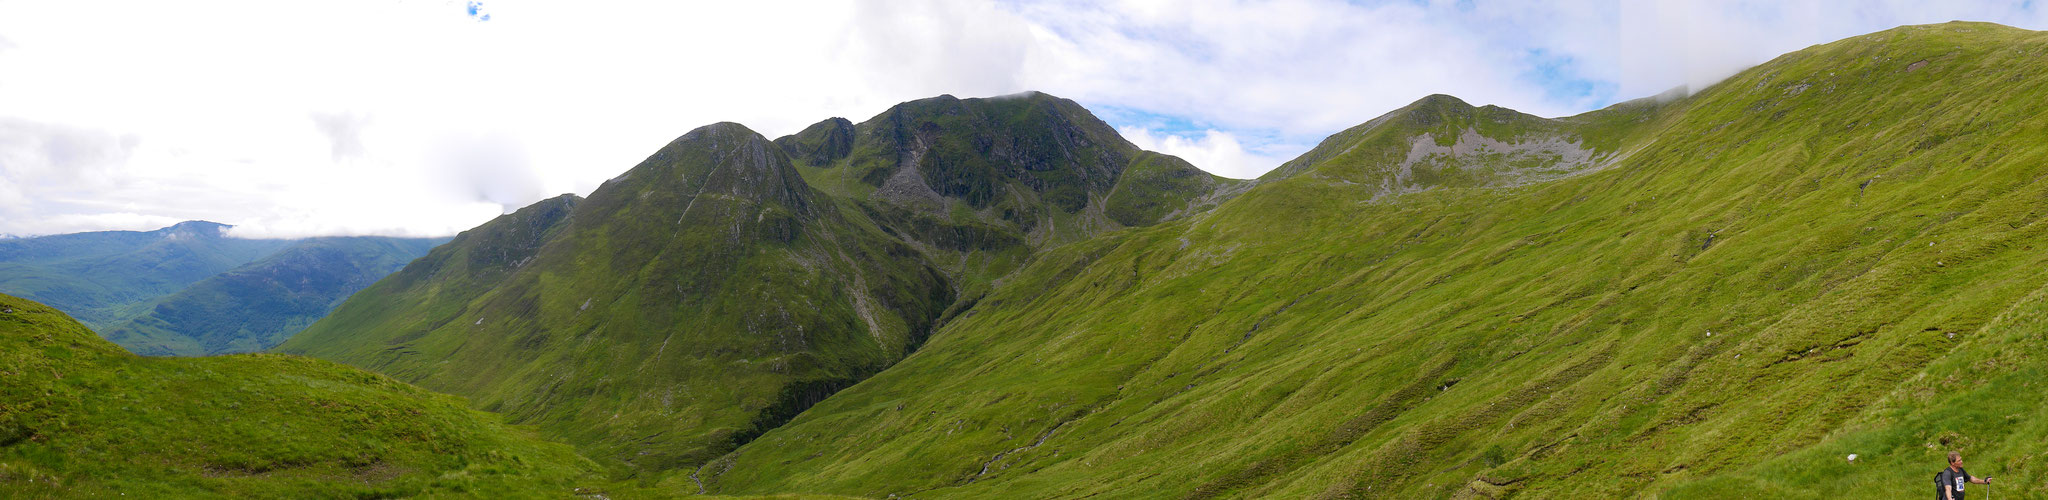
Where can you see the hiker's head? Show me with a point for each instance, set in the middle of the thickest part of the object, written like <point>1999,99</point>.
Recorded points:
<point>1955,458</point>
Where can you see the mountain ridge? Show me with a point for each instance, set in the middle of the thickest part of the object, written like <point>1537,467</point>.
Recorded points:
<point>257,305</point>
<point>747,283</point>
<point>1681,297</point>
<point>691,260</point>
<point>100,277</point>
<point>1762,282</point>
<point>120,283</point>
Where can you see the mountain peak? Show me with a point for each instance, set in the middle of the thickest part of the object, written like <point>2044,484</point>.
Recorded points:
<point>720,130</point>
<point>1026,95</point>
<point>718,146</point>
<point>1443,141</point>
<point>927,151</point>
<point>195,229</point>
<point>821,143</point>
<point>722,160</point>
<point>197,225</point>
<point>1440,100</point>
<point>1437,109</point>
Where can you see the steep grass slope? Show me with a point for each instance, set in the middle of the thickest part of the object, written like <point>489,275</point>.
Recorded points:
<point>80,418</point>
<point>1835,252</point>
<point>260,304</point>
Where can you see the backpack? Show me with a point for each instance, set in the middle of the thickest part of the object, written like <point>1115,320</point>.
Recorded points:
<point>1941,484</point>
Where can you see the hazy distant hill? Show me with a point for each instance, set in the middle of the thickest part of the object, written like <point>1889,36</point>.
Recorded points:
<point>103,278</point>
<point>258,305</point>
<point>190,290</point>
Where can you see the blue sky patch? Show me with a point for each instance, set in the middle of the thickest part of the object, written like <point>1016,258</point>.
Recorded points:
<point>1257,141</point>
<point>1558,76</point>
<point>1121,116</point>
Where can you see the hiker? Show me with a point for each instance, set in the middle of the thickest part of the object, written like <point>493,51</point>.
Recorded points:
<point>1950,481</point>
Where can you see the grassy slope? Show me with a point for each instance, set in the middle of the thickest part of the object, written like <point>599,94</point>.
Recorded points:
<point>262,303</point>
<point>1860,234</point>
<point>106,278</point>
<point>1158,187</point>
<point>79,417</point>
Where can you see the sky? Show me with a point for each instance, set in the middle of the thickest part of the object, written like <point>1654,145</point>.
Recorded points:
<point>429,117</point>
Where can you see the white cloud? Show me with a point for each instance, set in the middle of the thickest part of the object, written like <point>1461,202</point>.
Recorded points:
<point>417,117</point>
<point>1214,150</point>
<point>923,48</point>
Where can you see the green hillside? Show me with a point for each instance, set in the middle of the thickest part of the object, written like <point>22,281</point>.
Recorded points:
<point>1711,296</point>
<point>727,283</point>
<point>700,298</point>
<point>105,278</point>
<point>80,418</point>
<point>258,305</point>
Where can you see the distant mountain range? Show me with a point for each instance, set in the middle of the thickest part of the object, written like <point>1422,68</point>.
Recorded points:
<point>190,290</point>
